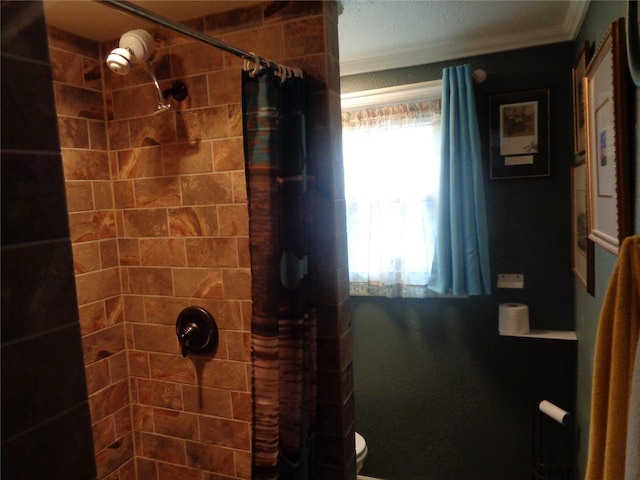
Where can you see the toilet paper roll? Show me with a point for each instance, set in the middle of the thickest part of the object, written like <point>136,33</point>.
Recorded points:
<point>559,415</point>
<point>513,318</point>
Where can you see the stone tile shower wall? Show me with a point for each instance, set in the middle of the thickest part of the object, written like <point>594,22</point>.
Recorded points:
<point>158,217</point>
<point>78,87</point>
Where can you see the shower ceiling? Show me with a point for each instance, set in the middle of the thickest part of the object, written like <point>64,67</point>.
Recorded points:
<point>374,34</point>
<point>92,20</point>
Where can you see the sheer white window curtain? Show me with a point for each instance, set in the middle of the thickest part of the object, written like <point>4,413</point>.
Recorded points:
<point>391,161</point>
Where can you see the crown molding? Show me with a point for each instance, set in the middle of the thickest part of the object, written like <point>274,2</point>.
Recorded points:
<point>575,16</point>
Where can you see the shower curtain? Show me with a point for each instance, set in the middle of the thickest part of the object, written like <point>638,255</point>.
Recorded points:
<point>283,325</point>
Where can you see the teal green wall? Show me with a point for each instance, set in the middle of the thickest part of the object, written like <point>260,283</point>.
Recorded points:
<point>598,19</point>
<point>438,393</point>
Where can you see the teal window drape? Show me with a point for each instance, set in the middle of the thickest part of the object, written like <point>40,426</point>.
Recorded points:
<point>461,259</point>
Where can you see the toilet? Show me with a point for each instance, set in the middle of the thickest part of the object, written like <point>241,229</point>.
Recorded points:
<point>361,451</point>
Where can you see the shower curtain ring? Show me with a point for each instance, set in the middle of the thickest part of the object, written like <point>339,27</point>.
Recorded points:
<point>256,65</point>
<point>289,72</point>
<point>283,73</point>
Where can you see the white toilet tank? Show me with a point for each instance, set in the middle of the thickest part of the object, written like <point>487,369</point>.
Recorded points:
<point>361,451</point>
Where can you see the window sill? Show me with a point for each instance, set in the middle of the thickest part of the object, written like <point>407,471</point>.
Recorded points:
<point>550,334</point>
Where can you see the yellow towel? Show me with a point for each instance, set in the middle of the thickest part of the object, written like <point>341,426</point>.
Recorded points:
<point>613,366</point>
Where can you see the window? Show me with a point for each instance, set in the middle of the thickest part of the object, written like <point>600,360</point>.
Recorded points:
<point>391,150</point>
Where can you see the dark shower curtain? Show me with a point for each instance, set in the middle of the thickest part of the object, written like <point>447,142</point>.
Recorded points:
<point>283,325</point>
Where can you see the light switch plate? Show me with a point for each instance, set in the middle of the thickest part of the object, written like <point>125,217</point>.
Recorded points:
<point>510,280</point>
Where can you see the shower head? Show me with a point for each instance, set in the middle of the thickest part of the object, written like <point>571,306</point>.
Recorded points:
<point>136,46</point>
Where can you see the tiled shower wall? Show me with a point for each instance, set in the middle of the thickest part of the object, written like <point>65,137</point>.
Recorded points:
<point>78,89</point>
<point>158,217</point>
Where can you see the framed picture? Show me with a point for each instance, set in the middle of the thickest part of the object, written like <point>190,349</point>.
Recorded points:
<point>581,245</point>
<point>579,135</point>
<point>519,130</point>
<point>606,87</point>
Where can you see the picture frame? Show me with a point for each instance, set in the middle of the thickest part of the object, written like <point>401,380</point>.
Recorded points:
<point>582,248</point>
<point>577,74</point>
<point>519,134</point>
<point>606,86</point>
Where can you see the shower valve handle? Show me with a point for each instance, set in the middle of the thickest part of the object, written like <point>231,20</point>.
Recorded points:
<point>191,331</point>
<point>196,330</point>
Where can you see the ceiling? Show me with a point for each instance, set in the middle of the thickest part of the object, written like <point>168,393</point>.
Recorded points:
<point>379,35</point>
<point>374,34</point>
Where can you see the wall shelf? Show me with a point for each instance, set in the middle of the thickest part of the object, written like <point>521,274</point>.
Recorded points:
<point>550,334</point>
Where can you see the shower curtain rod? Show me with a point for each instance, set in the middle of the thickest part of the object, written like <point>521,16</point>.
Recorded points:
<point>133,9</point>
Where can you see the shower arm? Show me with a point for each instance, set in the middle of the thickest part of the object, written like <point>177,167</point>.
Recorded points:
<point>133,9</point>
<point>162,105</point>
